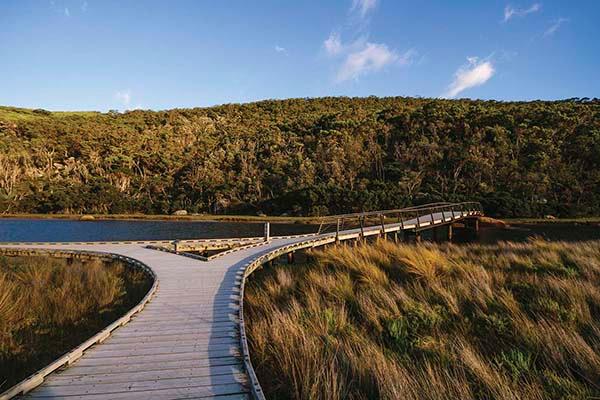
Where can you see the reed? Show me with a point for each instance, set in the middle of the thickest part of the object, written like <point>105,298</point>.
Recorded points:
<point>505,321</point>
<point>50,305</point>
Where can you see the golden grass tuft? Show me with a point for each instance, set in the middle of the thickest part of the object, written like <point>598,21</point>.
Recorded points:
<point>506,321</point>
<point>50,305</point>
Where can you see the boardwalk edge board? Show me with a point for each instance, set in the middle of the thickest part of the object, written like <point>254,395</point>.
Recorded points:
<point>70,357</point>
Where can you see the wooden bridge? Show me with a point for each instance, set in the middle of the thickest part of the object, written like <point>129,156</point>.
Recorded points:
<point>190,340</point>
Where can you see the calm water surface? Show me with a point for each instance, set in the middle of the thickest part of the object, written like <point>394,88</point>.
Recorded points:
<point>569,232</point>
<point>57,230</point>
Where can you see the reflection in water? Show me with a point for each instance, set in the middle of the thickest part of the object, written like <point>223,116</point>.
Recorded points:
<point>55,230</point>
<point>570,232</point>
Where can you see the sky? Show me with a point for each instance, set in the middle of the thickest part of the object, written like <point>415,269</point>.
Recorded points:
<point>105,54</point>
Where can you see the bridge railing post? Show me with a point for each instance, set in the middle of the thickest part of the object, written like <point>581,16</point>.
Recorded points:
<point>267,232</point>
<point>381,220</point>
<point>362,229</point>
<point>337,232</point>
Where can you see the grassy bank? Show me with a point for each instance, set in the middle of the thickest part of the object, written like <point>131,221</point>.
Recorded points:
<point>507,321</point>
<point>50,305</point>
<point>582,220</point>
<point>162,217</point>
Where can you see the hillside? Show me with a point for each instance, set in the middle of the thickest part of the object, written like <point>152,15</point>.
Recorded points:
<point>305,157</point>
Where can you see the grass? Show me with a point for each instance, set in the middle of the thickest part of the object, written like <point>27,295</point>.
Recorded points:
<point>580,220</point>
<point>50,305</point>
<point>159,217</point>
<point>505,321</point>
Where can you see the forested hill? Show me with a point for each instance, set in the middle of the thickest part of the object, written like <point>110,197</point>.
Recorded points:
<point>305,157</point>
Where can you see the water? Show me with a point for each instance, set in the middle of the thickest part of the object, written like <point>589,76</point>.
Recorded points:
<point>58,230</point>
<point>563,231</point>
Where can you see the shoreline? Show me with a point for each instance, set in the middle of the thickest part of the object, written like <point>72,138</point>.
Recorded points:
<point>164,217</point>
<point>259,219</point>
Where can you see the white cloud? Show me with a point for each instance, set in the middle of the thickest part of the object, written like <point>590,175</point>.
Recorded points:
<point>475,73</point>
<point>363,6</point>
<point>124,97</point>
<point>333,44</point>
<point>554,27</point>
<point>358,56</point>
<point>67,12</point>
<point>510,12</point>
<point>280,49</point>
<point>372,57</point>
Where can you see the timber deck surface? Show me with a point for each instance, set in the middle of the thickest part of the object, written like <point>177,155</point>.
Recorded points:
<point>185,343</point>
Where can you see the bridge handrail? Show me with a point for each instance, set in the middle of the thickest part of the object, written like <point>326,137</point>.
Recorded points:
<point>428,206</point>
<point>414,211</point>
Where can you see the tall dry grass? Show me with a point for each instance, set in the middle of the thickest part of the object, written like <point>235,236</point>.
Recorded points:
<point>50,305</point>
<point>506,321</point>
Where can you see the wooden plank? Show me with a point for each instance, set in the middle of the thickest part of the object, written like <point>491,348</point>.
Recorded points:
<point>174,348</point>
<point>84,368</point>
<point>155,393</point>
<point>120,377</point>
<point>139,386</point>
<point>233,337</point>
<point>158,358</point>
<point>155,344</point>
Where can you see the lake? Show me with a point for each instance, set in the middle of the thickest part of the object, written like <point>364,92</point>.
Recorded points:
<point>61,230</point>
<point>519,232</point>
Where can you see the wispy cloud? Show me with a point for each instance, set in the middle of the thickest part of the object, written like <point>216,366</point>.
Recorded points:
<point>362,7</point>
<point>123,97</point>
<point>67,12</point>
<point>475,73</point>
<point>369,58</point>
<point>333,44</point>
<point>359,56</point>
<point>510,11</point>
<point>84,6</point>
<point>280,49</point>
<point>555,26</point>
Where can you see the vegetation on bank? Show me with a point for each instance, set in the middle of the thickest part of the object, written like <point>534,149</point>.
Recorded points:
<point>164,217</point>
<point>50,305</point>
<point>305,157</point>
<point>505,321</point>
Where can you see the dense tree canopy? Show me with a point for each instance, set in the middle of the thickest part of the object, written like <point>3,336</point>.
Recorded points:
<point>305,157</point>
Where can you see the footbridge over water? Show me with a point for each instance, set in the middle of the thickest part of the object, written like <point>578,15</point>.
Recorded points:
<point>187,339</point>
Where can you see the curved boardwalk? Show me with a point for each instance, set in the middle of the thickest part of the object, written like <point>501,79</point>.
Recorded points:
<point>186,342</point>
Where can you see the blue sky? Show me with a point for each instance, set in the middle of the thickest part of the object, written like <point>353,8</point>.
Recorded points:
<point>104,54</point>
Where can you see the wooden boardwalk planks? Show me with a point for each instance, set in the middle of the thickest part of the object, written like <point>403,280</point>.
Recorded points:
<point>185,344</point>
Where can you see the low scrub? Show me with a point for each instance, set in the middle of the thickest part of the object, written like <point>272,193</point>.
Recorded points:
<point>506,321</point>
<point>50,305</point>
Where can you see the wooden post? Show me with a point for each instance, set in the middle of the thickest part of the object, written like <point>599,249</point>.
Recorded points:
<point>267,232</point>
<point>290,257</point>
<point>337,232</point>
<point>382,226</point>
<point>176,246</point>
<point>450,232</point>
<point>418,236</point>
<point>396,237</point>
<point>362,230</point>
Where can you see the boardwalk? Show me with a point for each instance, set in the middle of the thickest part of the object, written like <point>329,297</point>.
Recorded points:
<point>186,342</point>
